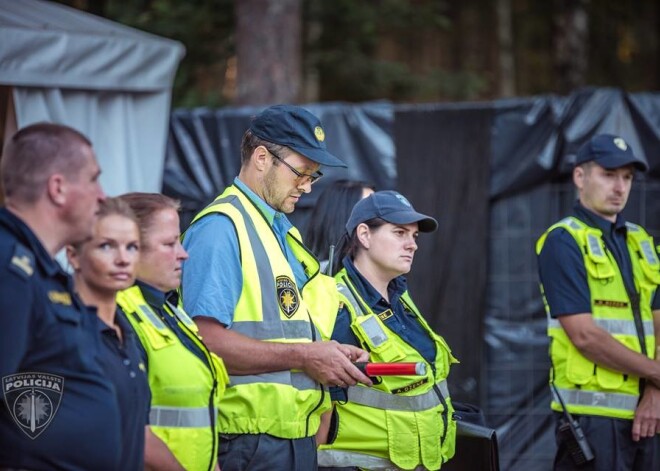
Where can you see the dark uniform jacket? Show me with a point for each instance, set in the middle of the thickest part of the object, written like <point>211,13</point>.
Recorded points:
<point>57,410</point>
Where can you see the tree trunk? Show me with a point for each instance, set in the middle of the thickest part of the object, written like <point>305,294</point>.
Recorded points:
<point>269,51</point>
<point>507,75</point>
<point>571,34</point>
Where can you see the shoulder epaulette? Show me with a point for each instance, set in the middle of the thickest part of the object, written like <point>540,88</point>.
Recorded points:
<point>22,261</point>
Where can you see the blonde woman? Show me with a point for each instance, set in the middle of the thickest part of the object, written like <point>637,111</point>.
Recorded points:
<point>103,265</point>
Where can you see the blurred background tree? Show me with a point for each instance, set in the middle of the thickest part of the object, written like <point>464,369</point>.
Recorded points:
<point>263,51</point>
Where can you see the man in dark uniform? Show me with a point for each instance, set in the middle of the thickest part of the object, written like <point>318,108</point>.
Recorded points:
<point>600,275</point>
<point>58,411</point>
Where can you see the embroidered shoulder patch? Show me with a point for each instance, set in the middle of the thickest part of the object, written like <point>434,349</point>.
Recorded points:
<point>60,297</point>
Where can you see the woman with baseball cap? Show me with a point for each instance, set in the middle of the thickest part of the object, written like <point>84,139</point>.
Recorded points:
<point>402,421</point>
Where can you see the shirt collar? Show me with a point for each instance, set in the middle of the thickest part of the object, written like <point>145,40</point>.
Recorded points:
<point>153,296</point>
<point>275,218</point>
<point>369,294</point>
<point>120,321</point>
<point>264,207</point>
<point>28,237</point>
<point>594,220</point>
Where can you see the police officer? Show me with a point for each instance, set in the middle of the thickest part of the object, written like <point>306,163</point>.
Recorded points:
<point>260,302</point>
<point>403,422</point>
<point>58,411</point>
<point>186,379</point>
<point>599,276</point>
<point>103,265</point>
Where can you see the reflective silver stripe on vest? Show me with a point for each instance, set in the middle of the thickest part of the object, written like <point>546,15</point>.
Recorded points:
<point>613,326</point>
<point>571,222</point>
<point>579,397</point>
<point>346,291</point>
<point>182,316</point>
<point>341,459</point>
<point>153,318</point>
<point>268,330</point>
<point>161,416</point>
<point>632,227</point>
<point>298,380</point>
<point>382,400</point>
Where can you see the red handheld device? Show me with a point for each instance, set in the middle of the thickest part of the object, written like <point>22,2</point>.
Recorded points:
<point>392,369</point>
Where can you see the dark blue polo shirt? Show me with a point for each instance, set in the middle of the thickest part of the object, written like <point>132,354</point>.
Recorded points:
<point>49,337</point>
<point>403,322</point>
<point>561,264</point>
<point>123,365</point>
<point>156,300</point>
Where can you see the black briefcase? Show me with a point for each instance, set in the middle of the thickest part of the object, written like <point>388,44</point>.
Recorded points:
<point>476,443</point>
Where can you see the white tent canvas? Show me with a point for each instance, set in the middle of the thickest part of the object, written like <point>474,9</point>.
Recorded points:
<point>111,82</point>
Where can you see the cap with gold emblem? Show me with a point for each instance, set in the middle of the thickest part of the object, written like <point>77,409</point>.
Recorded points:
<point>296,128</point>
<point>610,152</point>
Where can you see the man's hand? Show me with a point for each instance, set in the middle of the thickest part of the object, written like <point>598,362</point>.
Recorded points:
<point>647,416</point>
<point>331,363</point>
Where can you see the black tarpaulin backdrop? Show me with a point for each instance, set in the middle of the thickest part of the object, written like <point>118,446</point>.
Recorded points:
<point>203,151</point>
<point>495,175</point>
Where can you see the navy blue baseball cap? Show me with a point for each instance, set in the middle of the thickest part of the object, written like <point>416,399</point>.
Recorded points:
<point>389,206</point>
<point>297,129</point>
<point>610,152</point>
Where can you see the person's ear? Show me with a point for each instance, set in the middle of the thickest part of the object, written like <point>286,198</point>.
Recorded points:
<point>578,176</point>
<point>363,234</point>
<point>72,257</point>
<point>261,158</point>
<point>56,189</point>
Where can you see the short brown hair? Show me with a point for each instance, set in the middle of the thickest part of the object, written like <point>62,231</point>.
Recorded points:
<point>146,205</point>
<point>35,153</point>
<point>251,142</point>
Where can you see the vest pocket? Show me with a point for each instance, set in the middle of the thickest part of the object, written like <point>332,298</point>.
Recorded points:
<point>579,370</point>
<point>608,379</point>
<point>373,334</point>
<point>402,439</point>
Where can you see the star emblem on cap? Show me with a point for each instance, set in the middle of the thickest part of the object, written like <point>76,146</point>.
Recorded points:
<point>620,143</point>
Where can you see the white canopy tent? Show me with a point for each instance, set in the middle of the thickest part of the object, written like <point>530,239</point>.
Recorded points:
<point>111,82</point>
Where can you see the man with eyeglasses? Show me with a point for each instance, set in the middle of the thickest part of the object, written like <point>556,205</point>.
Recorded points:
<point>261,303</point>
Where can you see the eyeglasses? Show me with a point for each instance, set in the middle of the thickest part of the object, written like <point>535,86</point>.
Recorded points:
<point>301,177</point>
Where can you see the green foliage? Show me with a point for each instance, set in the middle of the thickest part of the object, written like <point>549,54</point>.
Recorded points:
<point>205,27</point>
<point>352,65</point>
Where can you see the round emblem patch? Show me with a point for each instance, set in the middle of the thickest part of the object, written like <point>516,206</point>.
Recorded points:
<point>620,143</point>
<point>32,400</point>
<point>318,132</point>
<point>287,295</point>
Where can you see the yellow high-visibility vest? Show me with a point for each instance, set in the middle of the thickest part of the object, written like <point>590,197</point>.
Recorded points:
<point>585,387</point>
<point>403,421</point>
<point>272,307</point>
<point>185,390</point>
